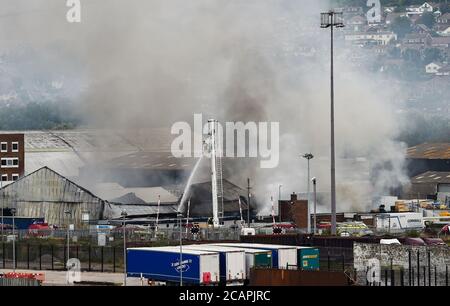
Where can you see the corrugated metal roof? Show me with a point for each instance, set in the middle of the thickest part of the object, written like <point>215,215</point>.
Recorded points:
<point>114,211</point>
<point>152,160</point>
<point>110,191</point>
<point>129,198</point>
<point>85,140</point>
<point>433,177</point>
<point>66,163</point>
<point>429,151</point>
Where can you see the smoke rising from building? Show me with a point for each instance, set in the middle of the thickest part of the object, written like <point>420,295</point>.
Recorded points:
<point>149,63</point>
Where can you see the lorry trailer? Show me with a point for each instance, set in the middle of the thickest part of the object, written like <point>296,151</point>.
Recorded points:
<point>231,260</point>
<point>163,264</point>
<point>283,256</point>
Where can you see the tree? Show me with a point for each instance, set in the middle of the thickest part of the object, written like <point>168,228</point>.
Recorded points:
<point>401,26</point>
<point>432,55</point>
<point>444,8</point>
<point>428,19</point>
<point>411,55</point>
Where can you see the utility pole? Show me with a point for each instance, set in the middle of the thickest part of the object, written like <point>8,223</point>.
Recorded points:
<point>248,201</point>
<point>330,20</point>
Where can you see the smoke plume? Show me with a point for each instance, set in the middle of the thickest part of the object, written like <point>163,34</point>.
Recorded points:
<point>149,63</point>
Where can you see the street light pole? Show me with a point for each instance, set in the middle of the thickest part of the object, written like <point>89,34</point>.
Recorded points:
<point>249,195</point>
<point>13,212</point>
<point>308,157</point>
<point>330,20</point>
<point>315,204</point>
<point>124,215</point>
<point>180,216</point>
<point>3,207</point>
<point>279,200</point>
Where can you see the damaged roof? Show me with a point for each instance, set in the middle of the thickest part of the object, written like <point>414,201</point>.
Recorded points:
<point>432,177</point>
<point>114,210</point>
<point>114,191</point>
<point>152,160</point>
<point>429,151</point>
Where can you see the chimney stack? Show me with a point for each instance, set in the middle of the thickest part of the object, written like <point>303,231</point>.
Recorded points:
<point>293,197</point>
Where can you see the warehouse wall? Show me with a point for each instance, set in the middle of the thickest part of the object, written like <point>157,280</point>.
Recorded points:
<point>45,193</point>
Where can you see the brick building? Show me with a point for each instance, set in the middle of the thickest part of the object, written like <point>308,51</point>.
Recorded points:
<point>12,157</point>
<point>294,210</point>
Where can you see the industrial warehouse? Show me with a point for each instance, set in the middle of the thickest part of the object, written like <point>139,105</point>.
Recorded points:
<point>146,210</point>
<point>224,147</point>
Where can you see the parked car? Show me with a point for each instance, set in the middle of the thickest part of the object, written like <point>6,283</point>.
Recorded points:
<point>414,241</point>
<point>434,241</point>
<point>6,226</point>
<point>39,229</point>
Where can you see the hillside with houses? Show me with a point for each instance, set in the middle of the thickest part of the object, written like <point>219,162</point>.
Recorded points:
<point>408,43</point>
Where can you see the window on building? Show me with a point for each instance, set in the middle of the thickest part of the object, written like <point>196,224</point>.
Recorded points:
<point>4,177</point>
<point>4,147</point>
<point>15,147</point>
<point>15,177</point>
<point>10,162</point>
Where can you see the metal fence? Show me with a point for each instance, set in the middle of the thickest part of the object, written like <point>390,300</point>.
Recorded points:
<point>49,252</point>
<point>336,259</point>
<point>54,256</point>
<point>132,234</point>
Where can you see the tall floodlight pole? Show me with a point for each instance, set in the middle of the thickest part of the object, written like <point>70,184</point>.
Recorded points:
<point>68,213</point>
<point>13,213</point>
<point>330,20</point>
<point>308,157</point>
<point>124,215</point>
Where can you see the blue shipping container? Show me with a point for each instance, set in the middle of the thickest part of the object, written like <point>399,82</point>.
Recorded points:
<point>163,264</point>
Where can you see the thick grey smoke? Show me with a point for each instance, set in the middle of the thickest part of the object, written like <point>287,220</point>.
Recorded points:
<point>149,63</point>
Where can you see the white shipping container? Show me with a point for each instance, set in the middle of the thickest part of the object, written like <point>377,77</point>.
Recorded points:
<point>234,260</point>
<point>287,254</point>
<point>250,256</point>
